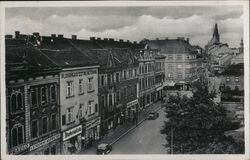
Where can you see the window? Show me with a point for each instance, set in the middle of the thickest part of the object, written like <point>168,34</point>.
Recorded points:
<point>110,100</point>
<point>117,75</point>
<point>118,96</point>
<point>135,89</point>
<point>33,98</point>
<point>179,56</point>
<point>135,72</point>
<point>63,119</point>
<point>179,76</point>
<point>53,121</point>
<point>170,56</point>
<point>90,85</point>
<point>70,115</point>
<point>179,66</point>
<point>53,92</point>
<point>124,74</point>
<point>45,125</point>
<point>81,85</point>
<point>81,110</point>
<point>70,89</point>
<point>16,102</point>
<point>96,108</point>
<point>109,79</point>
<point>17,135</point>
<point>130,73</point>
<point>228,79</point>
<point>236,79</point>
<point>102,80</point>
<point>188,70</point>
<point>91,108</point>
<point>34,128</point>
<point>103,100</point>
<point>188,66</point>
<point>43,95</point>
<point>125,91</point>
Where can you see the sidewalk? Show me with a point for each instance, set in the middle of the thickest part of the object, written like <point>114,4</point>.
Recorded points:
<point>115,134</point>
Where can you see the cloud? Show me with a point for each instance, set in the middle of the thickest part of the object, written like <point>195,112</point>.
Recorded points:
<point>193,22</point>
<point>198,28</point>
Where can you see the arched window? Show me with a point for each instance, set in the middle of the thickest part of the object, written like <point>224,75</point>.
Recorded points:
<point>17,136</point>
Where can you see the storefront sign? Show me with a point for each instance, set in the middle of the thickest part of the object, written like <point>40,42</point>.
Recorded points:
<point>20,148</point>
<point>72,132</point>
<point>93,123</point>
<point>77,73</point>
<point>45,142</point>
<point>134,102</point>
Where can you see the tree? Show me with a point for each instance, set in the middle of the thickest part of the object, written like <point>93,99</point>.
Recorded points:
<point>197,123</point>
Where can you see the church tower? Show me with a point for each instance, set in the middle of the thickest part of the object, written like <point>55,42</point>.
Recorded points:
<point>241,49</point>
<point>216,35</point>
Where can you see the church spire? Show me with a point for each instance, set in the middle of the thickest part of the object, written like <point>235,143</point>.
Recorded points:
<point>216,35</point>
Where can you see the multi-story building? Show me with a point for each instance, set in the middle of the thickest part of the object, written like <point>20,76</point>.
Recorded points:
<point>78,79</point>
<point>146,77</point>
<point>117,86</point>
<point>159,75</point>
<point>181,62</point>
<point>32,84</point>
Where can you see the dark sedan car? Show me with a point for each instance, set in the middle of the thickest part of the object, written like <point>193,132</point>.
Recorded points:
<point>104,149</point>
<point>153,115</point>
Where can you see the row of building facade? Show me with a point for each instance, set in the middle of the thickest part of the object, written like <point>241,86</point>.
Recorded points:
<point>63,94</point>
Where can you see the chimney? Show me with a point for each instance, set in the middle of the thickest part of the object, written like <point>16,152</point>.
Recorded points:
<point>121,40</point>
<point>98,38</point>
<point>53,35</point>
<point>187,40</point>
<point>92,38</point>
<point>74,37</point>
<point>60,35</point>
<point>36,34</point>
<point>8,36</point>
<point>111,39</point>
<point>17,34</point>
<point>180,38</point>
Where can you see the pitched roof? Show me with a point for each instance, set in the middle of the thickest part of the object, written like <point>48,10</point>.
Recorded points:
<point>234,69</point>
<point>171,46</point>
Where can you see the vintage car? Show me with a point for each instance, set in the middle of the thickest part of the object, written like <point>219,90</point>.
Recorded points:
<point>103,148</point>
<point>153,115</point>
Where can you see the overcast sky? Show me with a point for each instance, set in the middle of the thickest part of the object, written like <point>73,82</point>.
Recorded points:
<point>132,23</point>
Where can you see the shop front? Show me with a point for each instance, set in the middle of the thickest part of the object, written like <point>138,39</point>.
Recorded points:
<point>92,132</point>
<point>72,140</point>
<point>159,93</point>
<point>21,149</point>
<point>48,146</point>
<point>131,111</point>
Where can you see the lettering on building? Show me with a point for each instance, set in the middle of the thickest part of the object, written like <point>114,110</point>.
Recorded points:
<point>72,132</point>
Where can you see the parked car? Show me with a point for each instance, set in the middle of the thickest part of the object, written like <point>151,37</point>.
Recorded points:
<point>103,148</point>
<point>153,115</point>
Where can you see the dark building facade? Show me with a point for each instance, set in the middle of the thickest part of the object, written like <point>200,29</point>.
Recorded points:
<point>32,100</point>
<point>117,86</point>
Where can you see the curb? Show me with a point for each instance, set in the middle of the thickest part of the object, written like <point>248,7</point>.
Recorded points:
<point>132,128</point>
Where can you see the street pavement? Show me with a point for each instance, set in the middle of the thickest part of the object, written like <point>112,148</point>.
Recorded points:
<point>145,139</point>
<point>134,135</point>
